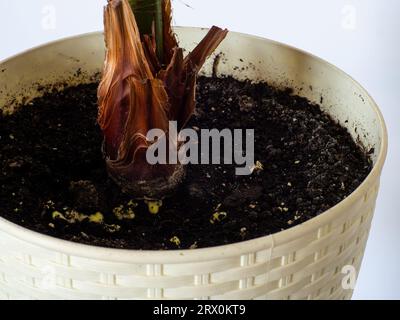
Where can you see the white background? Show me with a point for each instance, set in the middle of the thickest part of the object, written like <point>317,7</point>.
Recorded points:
<point>360,36</point>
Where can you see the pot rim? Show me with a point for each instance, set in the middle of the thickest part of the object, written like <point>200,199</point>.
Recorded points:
<point>218,252</point>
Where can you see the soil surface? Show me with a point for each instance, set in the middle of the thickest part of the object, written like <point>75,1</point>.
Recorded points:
<point>53,177</point>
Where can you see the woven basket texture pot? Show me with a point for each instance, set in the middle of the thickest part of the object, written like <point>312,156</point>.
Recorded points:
<point>304,262</point>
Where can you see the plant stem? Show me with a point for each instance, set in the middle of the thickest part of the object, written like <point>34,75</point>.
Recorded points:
<point>149,13</point>
<point>159,29</point>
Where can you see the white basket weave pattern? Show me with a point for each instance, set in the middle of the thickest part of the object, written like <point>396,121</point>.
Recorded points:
<point>304,262</point>
<point>306,268</point>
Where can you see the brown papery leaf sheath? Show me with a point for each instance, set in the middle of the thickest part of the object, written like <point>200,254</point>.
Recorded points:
<point>139,93</point>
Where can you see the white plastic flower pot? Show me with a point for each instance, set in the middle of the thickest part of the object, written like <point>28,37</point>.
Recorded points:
<point>305,262</point>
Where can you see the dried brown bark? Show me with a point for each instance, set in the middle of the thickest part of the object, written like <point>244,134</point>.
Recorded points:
<point>139,93</point>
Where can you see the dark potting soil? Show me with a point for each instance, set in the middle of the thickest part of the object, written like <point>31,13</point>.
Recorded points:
<point>52,170</point>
